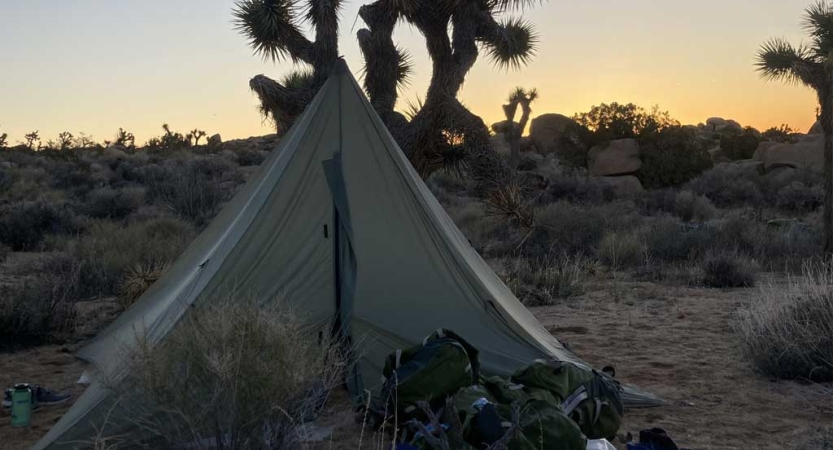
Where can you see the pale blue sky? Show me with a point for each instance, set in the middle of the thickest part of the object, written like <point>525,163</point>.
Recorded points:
<point>96,65</point>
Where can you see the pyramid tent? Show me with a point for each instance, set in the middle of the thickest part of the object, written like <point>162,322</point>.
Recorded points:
<point>339,224</point>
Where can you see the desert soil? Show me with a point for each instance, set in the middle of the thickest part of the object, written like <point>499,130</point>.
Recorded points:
<point>674,341</point>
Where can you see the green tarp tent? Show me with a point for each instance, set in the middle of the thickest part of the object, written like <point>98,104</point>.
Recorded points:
<point>336,222</point>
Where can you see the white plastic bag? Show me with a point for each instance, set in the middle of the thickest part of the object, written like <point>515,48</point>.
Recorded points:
<point>599,444</point>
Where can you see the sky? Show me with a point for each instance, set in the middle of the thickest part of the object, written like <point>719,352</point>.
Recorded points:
<point>94,66</point>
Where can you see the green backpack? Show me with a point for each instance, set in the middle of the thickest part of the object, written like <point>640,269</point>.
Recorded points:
<point>430,372</point>
<point>592,399</point>
<point>543,424</point>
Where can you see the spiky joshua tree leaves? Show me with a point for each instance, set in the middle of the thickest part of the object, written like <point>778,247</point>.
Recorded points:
<point>810,65</point>
<point>442,133</point>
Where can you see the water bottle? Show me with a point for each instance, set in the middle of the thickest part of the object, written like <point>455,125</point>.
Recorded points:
<point>21,405</point>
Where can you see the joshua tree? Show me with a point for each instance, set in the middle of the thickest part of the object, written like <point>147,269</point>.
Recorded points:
<point>514,130</point>
<point>3,138</point>
<point>31,139</point>
<point>196,135</point>
<point>65,140</point>
<point>812,66</point>
<point>125,138</point>
<point>443,132</point>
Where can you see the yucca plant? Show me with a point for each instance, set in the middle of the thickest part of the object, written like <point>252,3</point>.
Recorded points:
<point>455,32</point>
<point>810,65</point>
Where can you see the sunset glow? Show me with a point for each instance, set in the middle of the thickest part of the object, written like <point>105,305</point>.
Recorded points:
<point>93,66</point>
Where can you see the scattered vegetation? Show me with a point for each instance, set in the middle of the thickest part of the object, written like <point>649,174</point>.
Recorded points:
<point>787,332</point>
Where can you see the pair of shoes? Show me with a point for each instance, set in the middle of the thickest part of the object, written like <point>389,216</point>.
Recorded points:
<point>40,397</point>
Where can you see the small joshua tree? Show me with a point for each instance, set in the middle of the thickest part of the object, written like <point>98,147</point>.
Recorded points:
<point>125,139</point>
<point>514,130</point>
<point>31,139</point>
<point>196,134</point>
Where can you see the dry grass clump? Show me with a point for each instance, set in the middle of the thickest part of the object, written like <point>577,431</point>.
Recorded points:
<point>728,270</point>
<point>543,281</point>
<point>238,373</point>
<point>788,332</point>
<point>41,309</point>
<point>138,279</point>
<point>621,249</point>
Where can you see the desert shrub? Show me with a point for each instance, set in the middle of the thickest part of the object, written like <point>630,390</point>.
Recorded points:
<point>671,157</point>
<point>187,191</point>
<point>617,121</point>
<point>727,270</point>
<point>250,157</point>
<point>107,203</point>
<point>138,278</point>
<point>24,224</point>
<point>654,201</point>
<point>787,332</point>
<point>73,176</point>
<point>170,140</point>
<point>576,188</point>
<point>6,180</point>
<point>621,249</point>
<point>573,144</point>
<point>109,250</point>
<point>5,250</point>
<point>692,207</point>
<point>668,240</point>
<point>43,308</point>
<point>784,133</point>
<point>729,184</point>
<point>797,196</point>
<point>740,145</point>
<point>241,373</point>
<point>543,280</point>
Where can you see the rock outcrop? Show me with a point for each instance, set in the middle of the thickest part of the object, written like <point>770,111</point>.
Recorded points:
<point>215,140</point>
<point>547,129</point>
<point>807,153</point>
<point>619,157</point>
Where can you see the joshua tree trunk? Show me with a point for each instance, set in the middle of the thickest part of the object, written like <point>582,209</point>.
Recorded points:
<point>443,132</point>
<point>827,126</point>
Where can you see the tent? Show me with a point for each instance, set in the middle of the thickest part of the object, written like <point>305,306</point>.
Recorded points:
<point>337,222</point>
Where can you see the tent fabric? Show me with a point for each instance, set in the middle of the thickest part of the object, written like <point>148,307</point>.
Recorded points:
<point>399,270</point>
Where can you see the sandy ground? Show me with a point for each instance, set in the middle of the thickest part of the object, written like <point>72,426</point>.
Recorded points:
<point>676,342</point>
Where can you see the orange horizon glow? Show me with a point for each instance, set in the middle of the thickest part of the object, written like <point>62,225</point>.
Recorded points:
<point>93,66</point>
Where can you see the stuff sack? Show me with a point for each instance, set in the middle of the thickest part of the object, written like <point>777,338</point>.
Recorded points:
<point>430,372</point>
<point>592,399</point>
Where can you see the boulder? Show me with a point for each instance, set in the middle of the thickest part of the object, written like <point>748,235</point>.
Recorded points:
<point>624,186</point>
<point>215,140</point>
<point>719,124</point>
<point>499,144</point>
<point>805,154</point>
<point>547,130</point>
<point>619,157</point>
<point>504,126</point>
<point>816,128</point>
<point>114,153</point>
<point>762,148</point>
